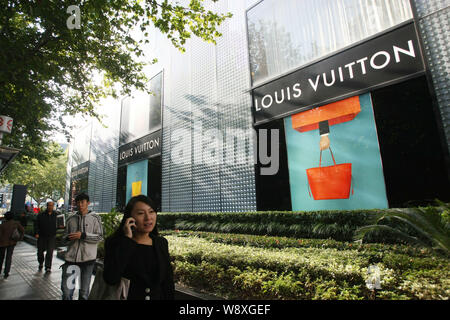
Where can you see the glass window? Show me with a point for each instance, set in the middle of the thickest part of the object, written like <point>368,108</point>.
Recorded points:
<point>141,113</point>
<point>287,34</point>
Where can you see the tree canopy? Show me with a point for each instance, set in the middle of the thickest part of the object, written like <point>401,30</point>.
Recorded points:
<point>43,179</point>
<point>48,66</point>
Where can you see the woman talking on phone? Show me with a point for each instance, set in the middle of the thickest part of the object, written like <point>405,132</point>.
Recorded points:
<point>136,252</point>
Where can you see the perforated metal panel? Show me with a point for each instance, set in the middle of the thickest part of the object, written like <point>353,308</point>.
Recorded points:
<point>108,197</point>
<point>178,108</point>
<point>68,173</point>
<point>102,183</point>
<point>238,191</point>
<point>205,118</point>
<point>434,23</point>
<point>206,95</point>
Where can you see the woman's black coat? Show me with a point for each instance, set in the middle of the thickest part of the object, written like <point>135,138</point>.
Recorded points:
<point>119,253</point>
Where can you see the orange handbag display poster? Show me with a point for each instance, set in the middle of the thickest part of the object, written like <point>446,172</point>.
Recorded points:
<point>347,175</point>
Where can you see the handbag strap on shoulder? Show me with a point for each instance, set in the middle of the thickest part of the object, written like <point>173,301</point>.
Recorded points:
<point>320,161</point>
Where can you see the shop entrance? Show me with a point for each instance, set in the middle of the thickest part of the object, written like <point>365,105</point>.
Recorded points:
<point>273,191</point>
<point>411,150</point>
<point>152,181</point>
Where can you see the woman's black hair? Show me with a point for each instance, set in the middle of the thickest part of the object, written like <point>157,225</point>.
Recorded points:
<point>127,214</point>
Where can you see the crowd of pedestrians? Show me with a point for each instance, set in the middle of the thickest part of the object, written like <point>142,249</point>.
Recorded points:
<point>136,263</point>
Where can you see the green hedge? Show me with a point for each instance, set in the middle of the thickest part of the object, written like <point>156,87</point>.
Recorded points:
<point>269,242</point>
<point>337,225</point>
<point>252,266</point>
<point>247,272</point>
<point>29,229</point>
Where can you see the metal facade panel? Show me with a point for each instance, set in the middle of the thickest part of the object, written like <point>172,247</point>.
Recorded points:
<point>102,183</point>
<point>165,155</point>
<point>426,7</point>
<point>233,78</point>
<point>434,23</point>
<point>205,163</point>
<point>179,108</point>
<point>108,196</point>
<point>208,95</point>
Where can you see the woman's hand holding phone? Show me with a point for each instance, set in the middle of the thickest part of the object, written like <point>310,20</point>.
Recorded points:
<point>129,226</point>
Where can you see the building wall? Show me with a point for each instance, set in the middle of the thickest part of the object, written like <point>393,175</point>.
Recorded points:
<point>79,153</point>
<point>433,23</point>
<point>205,88</point>
<point>68,171</point>
<point>102,154</point>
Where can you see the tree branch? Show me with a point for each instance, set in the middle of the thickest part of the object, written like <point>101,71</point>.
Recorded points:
<point>46,37</point>
<point>171,7</point>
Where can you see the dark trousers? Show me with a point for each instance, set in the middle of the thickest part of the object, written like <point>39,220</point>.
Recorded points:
<point>46,244</point>
<point>9,252</point>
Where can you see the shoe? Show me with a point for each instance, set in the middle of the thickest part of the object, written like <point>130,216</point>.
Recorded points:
<point>40,267</point>
<point>48,270</point>
<point>6,276</point>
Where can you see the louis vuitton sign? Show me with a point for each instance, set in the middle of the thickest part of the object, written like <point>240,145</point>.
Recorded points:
<point>140,149</point>
<point>383,60</point>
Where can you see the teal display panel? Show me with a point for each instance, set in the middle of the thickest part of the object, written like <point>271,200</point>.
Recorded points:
<point>137,175</point>
<point>353,142</point>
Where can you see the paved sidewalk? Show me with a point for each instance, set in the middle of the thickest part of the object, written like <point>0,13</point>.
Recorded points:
<point>25,282</point>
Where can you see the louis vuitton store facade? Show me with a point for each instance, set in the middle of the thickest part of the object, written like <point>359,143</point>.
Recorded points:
<point>366,78</point>
<point>354,75</point>
<point>139,164</point>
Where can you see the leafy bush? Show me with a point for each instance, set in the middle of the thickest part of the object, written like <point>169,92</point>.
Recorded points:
<point>110,222</point>
<point>337,225</point>
<point>430,225</point>
<point>29,230</point>
<point>249,272</point>
<point>268,242</point>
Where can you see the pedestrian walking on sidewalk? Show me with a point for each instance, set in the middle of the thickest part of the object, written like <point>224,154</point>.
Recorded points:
<point>136,252</point>
<point>83,233</point>
<point>46,226</point>
<point>8,241</point>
